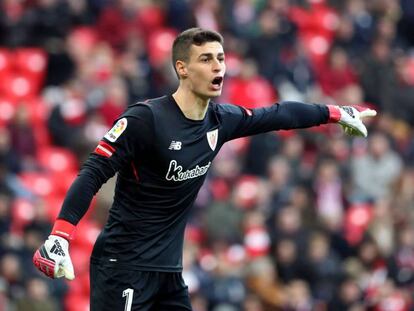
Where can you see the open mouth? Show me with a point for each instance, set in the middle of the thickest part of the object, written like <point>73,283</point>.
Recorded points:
<point>217,82</point>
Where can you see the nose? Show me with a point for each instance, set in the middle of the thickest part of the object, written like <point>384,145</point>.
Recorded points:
<point>217,66</point>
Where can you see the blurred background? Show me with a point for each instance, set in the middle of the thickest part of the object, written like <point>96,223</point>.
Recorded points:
<point>289,220</point>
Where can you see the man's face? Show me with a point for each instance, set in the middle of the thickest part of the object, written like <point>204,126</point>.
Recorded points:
<point>205,69</point>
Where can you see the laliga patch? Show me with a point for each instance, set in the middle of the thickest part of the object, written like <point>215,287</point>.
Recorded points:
<point>116,130</point>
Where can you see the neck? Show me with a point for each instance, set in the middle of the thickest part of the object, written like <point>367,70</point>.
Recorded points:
<point>192,106</point>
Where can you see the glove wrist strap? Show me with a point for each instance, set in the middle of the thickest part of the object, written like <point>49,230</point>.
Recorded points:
<point>63,229</point>
<point>334,114</point>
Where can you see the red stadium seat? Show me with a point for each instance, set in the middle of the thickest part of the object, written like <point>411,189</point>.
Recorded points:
<point>63,180</point>
<point>159,46</point>
<point>151,18</point>
<point>256,242</point>
<point>6,61</point>
<point>17,87</point>
<point>82,41</point>
<point>76,302</point>
<point>31,63</point>
<point>316,47</point>
<point>7,109</point>
<point>252,93</point>
<point>86,234</point>
<point>23,212</point>
<point>233,64</point>
<point>57,159</point>
<point>194,234</point>
<point>42,136</point>
<point>239,145</point>
<point>246,192</point>
<point>357,219</point>
<point>220,189</point>
<point>54,205</point>
<point>80,258</point>
<point>38,109</point>
<point>22,72</point>
<point>40,184</point>
<point>317,27</point>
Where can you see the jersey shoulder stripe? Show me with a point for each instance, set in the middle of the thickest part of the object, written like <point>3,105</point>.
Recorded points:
<point>104,149</point>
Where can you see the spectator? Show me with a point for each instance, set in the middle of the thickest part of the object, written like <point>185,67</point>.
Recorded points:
<point>372,274</point>
<point>49,20</point>
<point>322,269</point>
<point>262,281</point>
<point>337,73</point>
<point>377,76</point>
<point>227,287</point>
<point>402,260</point>
<point>329,192</point>
<point>288,225</point>
<point>348,296</point>
<point>135,69</point>
<point>223,222</point>
<point>287,261</point>
<point>37,297</point>
<point>22,138</point>
<point>11,270</point>
<point>249,89</point>
<point>253,303</point>
<point>115,101</point>
<point>267,46</point>
<point>374,173</point>
<point>117,21</point>
<point>207,14</point>
<point>5,215</point>
<point>381,226</point>
<point>9,160</point>
<point>14,25</point>
<point>300,298</point>
<point>403,96</point>
<point>280,182</point>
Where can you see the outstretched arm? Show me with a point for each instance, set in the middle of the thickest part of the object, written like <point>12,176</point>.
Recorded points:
<point>240,122</point>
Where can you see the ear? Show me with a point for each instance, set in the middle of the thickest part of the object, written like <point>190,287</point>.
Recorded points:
<point>181,68</point>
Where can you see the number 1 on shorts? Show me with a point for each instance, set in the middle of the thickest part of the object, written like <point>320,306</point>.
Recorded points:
<point>128,293</point>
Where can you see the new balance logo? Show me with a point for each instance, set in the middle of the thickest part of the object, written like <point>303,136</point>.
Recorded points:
<point>175,145</point>
<point>57,249</point>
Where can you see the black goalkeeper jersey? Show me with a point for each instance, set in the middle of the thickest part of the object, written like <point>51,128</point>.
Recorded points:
<point>162,159</point>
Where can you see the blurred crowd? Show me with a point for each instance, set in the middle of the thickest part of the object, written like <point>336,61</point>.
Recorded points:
<point>289,220</point>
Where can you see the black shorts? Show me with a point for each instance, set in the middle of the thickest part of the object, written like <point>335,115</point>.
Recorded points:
<point>130,290</point>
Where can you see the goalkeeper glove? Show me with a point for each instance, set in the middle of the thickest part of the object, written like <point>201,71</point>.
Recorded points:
<point>52,258</point>
<point>350,118</point>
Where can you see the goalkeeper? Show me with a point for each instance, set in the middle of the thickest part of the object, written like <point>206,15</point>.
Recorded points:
<point>162,150</point>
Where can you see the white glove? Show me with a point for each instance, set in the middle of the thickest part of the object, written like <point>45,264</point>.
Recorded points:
<point>350,118</point>
<point>52,258</point>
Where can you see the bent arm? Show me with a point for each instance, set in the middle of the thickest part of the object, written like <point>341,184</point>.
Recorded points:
<point>122,144</point>
<point>79,196</point>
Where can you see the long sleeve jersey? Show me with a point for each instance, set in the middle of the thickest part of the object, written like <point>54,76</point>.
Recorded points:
<point>162,159</point>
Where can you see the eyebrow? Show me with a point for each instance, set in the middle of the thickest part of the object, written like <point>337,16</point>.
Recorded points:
<point>210,55</point>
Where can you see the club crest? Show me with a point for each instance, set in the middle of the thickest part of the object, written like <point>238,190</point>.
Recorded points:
<point>212,139</point>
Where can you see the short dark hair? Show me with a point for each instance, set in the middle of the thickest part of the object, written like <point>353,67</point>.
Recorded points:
<point>197,36</point>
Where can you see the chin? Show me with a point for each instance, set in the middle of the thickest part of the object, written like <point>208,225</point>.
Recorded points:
<point>215,93</point>
<point>208,95</point>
